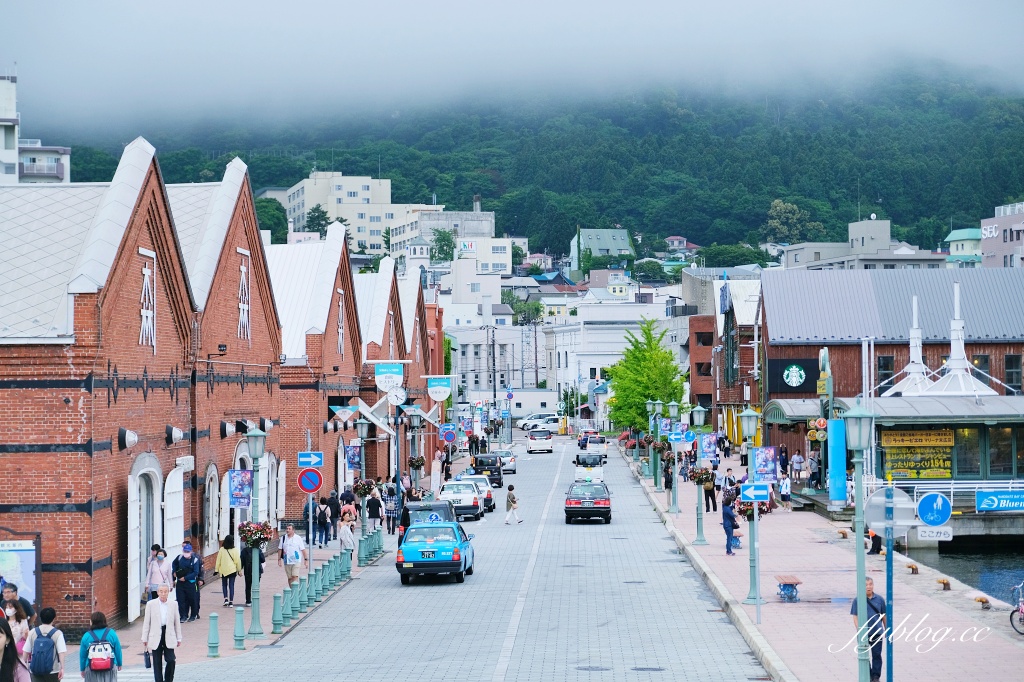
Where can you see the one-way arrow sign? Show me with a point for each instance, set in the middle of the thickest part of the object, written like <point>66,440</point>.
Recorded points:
<point>311,459</point>
<point>754,492</point>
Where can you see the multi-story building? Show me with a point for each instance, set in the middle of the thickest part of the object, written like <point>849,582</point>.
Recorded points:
<point>964,248</point>
<point>1002,238</point>
<point>610,242</point>
<point>26,160</point>
<point>869,246</point>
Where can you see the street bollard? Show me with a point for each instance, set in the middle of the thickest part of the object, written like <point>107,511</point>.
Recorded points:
<point>362,551</point>
<point>311,589</point>
<point>303,595</point>
<point>277,619</point>
<point>318,592</point>
<point>213,641</point>
<point>239,628</point>
<point>346,564</point>
<point>295,602</point>
<point>329,580</point>
<point>336,569</point>
<point>286,607</point>
<point>378,543</point>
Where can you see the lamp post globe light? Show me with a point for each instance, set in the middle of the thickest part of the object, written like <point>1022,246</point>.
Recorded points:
<point>859,434</point>
<point>415,421</point>
<point>748,423</point>
<point>659,407</point>
<point>256,440</point>
<point>363,431</point>
<point>673,413</point>
<point>697,416</point>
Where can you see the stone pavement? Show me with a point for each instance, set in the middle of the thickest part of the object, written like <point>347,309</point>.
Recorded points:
<point>956,639</point>
<point>548,601</point>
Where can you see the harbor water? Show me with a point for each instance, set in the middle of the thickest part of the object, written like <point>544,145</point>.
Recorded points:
<point>992,563</point>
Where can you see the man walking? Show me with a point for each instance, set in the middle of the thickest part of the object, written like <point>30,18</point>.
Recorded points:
<point>161,628</point>
<point>875,625</point>
<point>45,649</point>
<point>186,569</point>
<point>511,505</point>
<point>729,523</point>
<point>798,465</point>
<point>813,465</point>
<point>293,554</point>
<point>335,504</point>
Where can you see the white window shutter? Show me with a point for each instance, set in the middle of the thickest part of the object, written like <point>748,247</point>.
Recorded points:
<point>264,497</point>
<point>281,488</point>
<point>225,508</point>
<point>174,512</point>
<point>134,550</point>
<point>211,511</point>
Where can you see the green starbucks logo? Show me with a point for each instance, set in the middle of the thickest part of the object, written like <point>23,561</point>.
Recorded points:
<point>794,375</point>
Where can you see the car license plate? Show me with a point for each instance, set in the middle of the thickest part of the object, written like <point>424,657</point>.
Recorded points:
<point>487,473</point>
<point>427,555</point>
<point>406,565</point>
<point>588,503</point>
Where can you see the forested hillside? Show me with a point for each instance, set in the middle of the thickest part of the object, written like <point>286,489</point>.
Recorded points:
<point>920,150</point>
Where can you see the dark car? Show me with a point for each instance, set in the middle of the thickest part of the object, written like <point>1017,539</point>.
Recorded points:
<point>434,511</point>
<point>490,466</point>
<point>587,501</point>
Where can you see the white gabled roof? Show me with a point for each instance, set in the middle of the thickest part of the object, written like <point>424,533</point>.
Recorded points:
<point>62,239</point>
<point>302,276</point>
<point>744,294</point>
<point>373,299</point>
<point>408,296</point>
<point>202,214</point>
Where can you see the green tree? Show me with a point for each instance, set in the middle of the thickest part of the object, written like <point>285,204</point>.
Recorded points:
<point>317,220</point>
<point>518,255</point>
<point>731,255</point>
<point>788,224</point>
<point>535,269</point>
<point>386,236</point>
<point>92,165</point>
<point>647,371</point>
<point>648,270</point>
<point>444,245</point>
<point>270,215</point>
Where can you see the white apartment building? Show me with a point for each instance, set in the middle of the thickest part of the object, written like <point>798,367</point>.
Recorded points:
<point>518,359</point>
<point>465,224</point>
<point>364,202</point>
<point>26,160</point>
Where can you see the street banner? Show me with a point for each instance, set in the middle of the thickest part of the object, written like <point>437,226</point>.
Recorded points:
<point>354,456</point>
<point>240,487</point>
<point>766,466</point>
<point>388,375</point>
<point>708,442</point>
<point>439,388</point>
<point>837,462</point>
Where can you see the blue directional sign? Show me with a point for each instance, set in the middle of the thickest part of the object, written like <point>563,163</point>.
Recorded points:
<point>754,492</point>
<point>311,459</point>
<point>689,436</point>
<point>445,427</point>
<point>999,500</point>
<point>675,437</point>
<point>504,414</point>
<point>934,509</point>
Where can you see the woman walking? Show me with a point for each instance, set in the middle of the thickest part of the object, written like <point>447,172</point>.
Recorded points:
<point>99,655</point>
<point>391,508</point>
<point>375,510</point>
<point>17,621</point>
<point>9,661</point>
<point>729,522</point>
<point>159,573</point>
<point>511,505</point>
<point>229,565</point>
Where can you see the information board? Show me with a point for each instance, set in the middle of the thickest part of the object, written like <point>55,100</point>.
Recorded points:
<point>919,462</point>
<point>908,439</point>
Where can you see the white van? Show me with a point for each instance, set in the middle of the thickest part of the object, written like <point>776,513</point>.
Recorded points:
<point>590,467</point>
<point>534,419</point>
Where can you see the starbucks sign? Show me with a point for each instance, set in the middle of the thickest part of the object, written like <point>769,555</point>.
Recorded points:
<point>794,375</point>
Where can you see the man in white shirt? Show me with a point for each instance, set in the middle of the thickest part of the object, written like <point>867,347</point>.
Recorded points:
<point>293,554</point>
<point>60,647</point>
<point>785,489</point>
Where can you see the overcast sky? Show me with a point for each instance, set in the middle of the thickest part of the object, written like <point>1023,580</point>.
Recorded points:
<point>92,64</point>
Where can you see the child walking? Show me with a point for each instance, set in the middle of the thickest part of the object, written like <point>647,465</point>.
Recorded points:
<point>511,505</point>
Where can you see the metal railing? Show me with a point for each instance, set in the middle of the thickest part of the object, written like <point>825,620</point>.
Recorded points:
<point>39,168</point>
<point>951,489</point>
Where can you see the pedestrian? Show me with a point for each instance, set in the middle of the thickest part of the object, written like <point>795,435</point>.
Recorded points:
<point>159,573</point>
<point>45,649</point>
<point>783,459</point>
<point>292,554</point>
<point>322,530</point>
<point>162,630</point>
<point>727,447</point>
<point>186,569</point>
<point>391,509</point>
<point>710,500</point>
<point>99,654</point>
<point>730,523</point>
<point>10,662</point>
<point>412,495</point>
<point>250,555</point>
<point>730,483</point>
<point>375,510</point>
<point>10,593</point>
<point>511,505</point>
<point>798,464</point>
<point>404,521</point>
<point>152,554</point>
<point>345,535</point>
<point>483,444</point>
<point>719,481</point>
<point>814,466</point>
<point>666,473</point>
<point>349,508</point>
<point>309,520</point>
<point>875,624</point>
<point>785,490</point>
<point>347,497</point>
<point>335,504</point>
<point>229,565</point>
<point>19,625</point>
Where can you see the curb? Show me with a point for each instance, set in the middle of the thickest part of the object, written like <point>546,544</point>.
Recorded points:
<point>757,642</point>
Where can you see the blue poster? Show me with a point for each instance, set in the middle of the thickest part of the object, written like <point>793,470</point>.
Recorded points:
<point>836,462</point>
<point>708,443</point>
<point>354,456</point>
<point>240,487</point>
<point>766,466</point>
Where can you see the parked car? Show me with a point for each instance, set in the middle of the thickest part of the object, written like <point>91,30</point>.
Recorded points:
<point>527,421</point>
<point>435,548</point>
<point>587,501</point>
<point>483,484</point>
<point>465,498</point>
<point>489,465</point>
<point>508,461</point>
<point>540,440</point>
<point>589,467</point>
<point>434,511</point>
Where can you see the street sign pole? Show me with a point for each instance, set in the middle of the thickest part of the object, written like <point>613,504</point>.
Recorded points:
<point>757,492</point>
<point>889,523</point>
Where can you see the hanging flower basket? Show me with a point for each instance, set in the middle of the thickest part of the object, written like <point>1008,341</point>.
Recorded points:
<point>631,443</point>
<point>668,458</point>
<point>417,462</point>
<point>255,534</point>
<point>364,488</point>
<point>660,446</point>
<point>623,436</point>
<point>702,475</point>
<point>747,509</point>
<point>648,439</point>
<point>488,430</point>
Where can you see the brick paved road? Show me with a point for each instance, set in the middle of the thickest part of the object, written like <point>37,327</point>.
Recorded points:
<point>548,602</point>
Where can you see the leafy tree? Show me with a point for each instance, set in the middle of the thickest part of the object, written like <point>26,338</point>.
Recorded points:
<point>92,165</point>
<point>534,269</point>
<point>731,255</point>
<point>528,312</point>
<point>317,220</point>
<point>647,371</point>
<point>448,350</point>
<point>517,255</point>
<point>788,224</point>
<point>444,245</point>
<point>386,236</point>
<point>648,270</point>
<point>270,215</point>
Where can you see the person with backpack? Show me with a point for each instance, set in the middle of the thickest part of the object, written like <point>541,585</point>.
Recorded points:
<point>161,635</point>
<point>99,654</point>
<point>187,568</point>
<point>391,508</point>
<point>322,532</point>
<point>335,504</point>
<point>229,565</point>
<point>250,556</point>
<point>45,649</point>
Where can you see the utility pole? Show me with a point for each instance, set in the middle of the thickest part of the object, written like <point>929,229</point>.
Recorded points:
<point>494,374</point>
<point>536,363</point>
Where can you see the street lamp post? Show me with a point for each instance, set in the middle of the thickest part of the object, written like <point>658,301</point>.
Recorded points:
<point>859,437</point>
<point>650,428</point>
<point>362,430</point>
<point>256,440</point>
<point>415,421</point>
<point>673,413</point>
<point>748,422</point>
<point>656,460</point>
<point>697,419</point>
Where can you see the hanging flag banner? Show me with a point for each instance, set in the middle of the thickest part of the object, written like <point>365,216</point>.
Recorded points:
<point>343,412</point>
<point>388,375</point>
<point>439,388</point>
<point>240,487</point>
<point>354,456</point>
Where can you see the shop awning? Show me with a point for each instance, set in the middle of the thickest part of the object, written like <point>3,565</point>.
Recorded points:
<point>989,410</point>
<point>794,410</point>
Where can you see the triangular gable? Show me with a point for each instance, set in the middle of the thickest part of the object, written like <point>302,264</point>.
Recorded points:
<point>376,297</point>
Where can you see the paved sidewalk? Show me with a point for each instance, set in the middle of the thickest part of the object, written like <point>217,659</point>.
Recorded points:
<point>793,639</point>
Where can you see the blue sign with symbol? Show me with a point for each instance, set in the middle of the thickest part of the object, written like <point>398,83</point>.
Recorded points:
<point>934,509</point>
<point>504,414</point>
<point>999,500</point>
<point>446,427</point>
<point>311,459</point>
<point>448,436</point>
<point>470,471</point>
<point>310,480</point>
<point>675,437</point>
<point>434,517</point>
<point>689,436</point>
<point>754,492</point>
<point>508,396</point>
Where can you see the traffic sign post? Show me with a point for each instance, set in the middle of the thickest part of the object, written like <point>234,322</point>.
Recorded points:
<point>754,492</point>
<point>448,436</point>
<point>689,436</point>
<point>675,437</point>
<point>934,509</point>
<point>310,480</point>
<point>311,459</point>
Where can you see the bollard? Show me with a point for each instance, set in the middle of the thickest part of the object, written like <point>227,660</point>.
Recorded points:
<point>303,592</point>
<point>336,560</point>
<point>277,619</point>
<point>346,564</point>
<point>239,628</point>
<point>286,607</point>
<point>213,641</point>
<point>318,584</point>
<point>311,589</point>
<point>295,601</point>
<point>377,542</point>
<point>362,551</point>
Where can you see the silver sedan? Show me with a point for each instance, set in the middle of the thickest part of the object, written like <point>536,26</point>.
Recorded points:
<point>508,461</point>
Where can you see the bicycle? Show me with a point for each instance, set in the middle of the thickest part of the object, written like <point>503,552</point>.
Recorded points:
<point>1017,614</point>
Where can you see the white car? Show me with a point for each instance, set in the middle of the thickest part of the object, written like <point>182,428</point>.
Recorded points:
<point>589,467</point>
<point>508,461</point>
<point>465,497</point>
<point>534,419</point>
<point>483,484</point>
<point>539,440</point>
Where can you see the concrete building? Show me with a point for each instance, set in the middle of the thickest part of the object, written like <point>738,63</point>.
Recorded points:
<point>518,360</point>
<point>610,242</point>
<point>869,246</point>
<point>26,160</point>
<point>1002,238</point>
<point>697,285</point>
<point>964,248</point>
